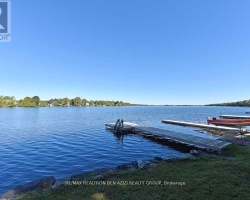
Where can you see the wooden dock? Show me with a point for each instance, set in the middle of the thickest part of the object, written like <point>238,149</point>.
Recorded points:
<point>214,144</point>
<point>205,126</point>
<point>234,117</point>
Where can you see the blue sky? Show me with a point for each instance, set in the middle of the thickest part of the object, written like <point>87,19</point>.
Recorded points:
<point>140,51</point>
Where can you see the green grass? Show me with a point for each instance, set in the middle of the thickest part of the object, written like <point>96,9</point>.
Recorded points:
<point>209,177</point>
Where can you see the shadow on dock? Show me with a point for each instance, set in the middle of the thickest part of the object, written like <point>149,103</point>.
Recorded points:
<point>177,146</point>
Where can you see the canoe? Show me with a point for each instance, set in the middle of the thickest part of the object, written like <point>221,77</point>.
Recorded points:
<point>230,122</point>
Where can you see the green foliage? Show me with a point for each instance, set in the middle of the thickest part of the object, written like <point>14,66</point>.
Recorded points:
<point>92,103</point>
<point>108,103</point>
<point>65,102</point>
<point>58,102</point>
<point>245,103</point>
<point>6,101</point>
<point>76,101</point>
<point>43,104</point>
<point>84,102</point>
<point>27,102</point>
<point>36,100</point>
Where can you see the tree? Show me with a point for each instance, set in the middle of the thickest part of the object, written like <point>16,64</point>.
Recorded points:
<point>43,104</point>
<point>58,102</point>
<point>10,101</point>
<point>76,101</point>
<point>92,103</point>
<point>83,102</point>
<point>27,102</point>
<point>36,100</point>
<point>65,101</point>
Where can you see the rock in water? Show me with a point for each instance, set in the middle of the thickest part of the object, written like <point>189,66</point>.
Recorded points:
<point>157,158</point>
<point>140,164</point>
<point>128,166</point>
<point>194,153</point>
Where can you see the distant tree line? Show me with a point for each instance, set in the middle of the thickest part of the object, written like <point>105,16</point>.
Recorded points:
<point>10,101</point>
<point>7,101</point>
<point>245,103</point>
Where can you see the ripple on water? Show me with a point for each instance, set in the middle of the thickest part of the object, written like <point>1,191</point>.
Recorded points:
<point>38,142</point>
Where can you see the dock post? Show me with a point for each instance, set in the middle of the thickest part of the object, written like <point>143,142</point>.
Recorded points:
<point>116,124</point>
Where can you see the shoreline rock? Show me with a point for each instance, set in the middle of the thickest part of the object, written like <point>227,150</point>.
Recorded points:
<point>99,174</point>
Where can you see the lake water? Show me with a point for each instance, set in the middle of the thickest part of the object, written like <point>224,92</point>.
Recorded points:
<point>62,141</point>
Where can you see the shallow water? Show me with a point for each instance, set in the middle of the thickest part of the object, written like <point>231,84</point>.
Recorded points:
<point>62,141</point>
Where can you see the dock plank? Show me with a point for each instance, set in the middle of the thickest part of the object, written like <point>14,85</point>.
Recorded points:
<point>203,142</point>
<point>206,126</point>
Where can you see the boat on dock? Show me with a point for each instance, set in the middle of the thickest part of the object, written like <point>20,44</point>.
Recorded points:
<point>234,117</point>
<point>229,122</point>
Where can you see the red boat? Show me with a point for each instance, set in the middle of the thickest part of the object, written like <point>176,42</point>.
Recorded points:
<point>232,122</point>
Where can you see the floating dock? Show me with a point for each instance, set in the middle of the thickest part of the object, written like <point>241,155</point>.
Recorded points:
<point>234,117</point>
<point>205,126</point>
<point>214,144</point>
